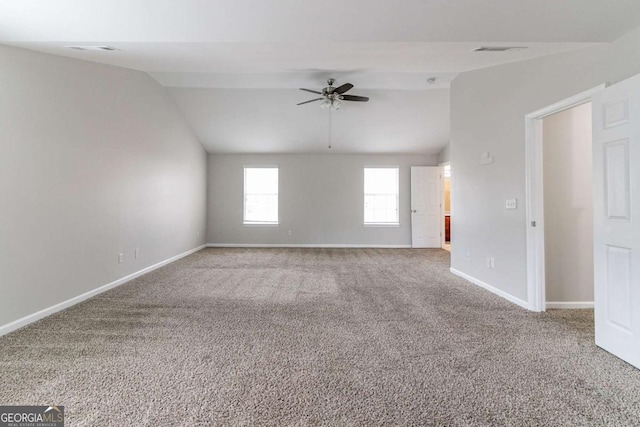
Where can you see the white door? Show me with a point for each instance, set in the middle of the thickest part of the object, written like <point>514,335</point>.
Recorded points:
<point>426,187</point>
<point>616,163</point>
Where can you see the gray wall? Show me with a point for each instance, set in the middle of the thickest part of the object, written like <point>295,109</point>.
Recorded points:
<point>94,161</point>
<point>488,107</point>
<point>568,201</point>
<point>444,155</point>
<point>320,199</point>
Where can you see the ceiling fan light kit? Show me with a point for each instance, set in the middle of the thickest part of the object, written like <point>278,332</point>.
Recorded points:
<point>333,97</point>
<point>332,104</point>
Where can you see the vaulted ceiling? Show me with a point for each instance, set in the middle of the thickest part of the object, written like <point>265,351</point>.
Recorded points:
<point>233,66</point>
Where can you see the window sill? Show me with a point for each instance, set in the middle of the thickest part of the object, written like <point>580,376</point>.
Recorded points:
<point>260,224</point>
<point>384,224</point>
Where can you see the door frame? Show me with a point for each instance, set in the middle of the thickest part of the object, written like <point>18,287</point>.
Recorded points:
<point>534,198</point>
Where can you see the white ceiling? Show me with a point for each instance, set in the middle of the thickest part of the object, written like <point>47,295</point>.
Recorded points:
<point>284,36</point>
<point>268,120</point>
<point>202,48</point>
<point>278,64</point>
<point>314,21</point>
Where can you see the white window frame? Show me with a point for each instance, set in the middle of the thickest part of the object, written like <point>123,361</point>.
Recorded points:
<point>381,224</point>
<point>244,197</point>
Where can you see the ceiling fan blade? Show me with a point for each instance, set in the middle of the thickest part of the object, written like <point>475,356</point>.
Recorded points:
<point>312,91</point>
<point>354,98</point>
<point>311,100</point>
<point>342,89</point>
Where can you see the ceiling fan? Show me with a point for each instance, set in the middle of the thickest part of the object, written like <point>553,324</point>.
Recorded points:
<point>333,96</point>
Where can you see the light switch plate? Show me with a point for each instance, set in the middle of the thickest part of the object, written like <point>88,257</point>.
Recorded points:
<point>511,204</point>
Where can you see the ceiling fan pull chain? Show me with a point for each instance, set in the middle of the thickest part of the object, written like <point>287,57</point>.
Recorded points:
<point>330,115</point>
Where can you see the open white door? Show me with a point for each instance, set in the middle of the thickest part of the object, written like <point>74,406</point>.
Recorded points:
<point>426,218</point>
<point>616,163</point>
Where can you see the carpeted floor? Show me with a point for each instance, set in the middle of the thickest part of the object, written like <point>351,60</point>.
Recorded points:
<point>300,337</point>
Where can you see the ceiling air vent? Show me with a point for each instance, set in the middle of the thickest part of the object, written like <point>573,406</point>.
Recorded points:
<point>498,48</point>
<point>92,48</point>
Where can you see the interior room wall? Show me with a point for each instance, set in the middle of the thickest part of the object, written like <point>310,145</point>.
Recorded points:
<point>488,107</point>
<point>444,155</point>
<point>321,199</point>
<point>94,161</point>
<point>568,201</point>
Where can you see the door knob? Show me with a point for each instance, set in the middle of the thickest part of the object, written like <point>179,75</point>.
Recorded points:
<point>414,211</point>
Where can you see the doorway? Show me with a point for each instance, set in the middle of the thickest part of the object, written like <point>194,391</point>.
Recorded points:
<point>559,188</point>
<point>426,184</point>
<point>616,137</point>
<point>568,207</point>
<point>446,206</point>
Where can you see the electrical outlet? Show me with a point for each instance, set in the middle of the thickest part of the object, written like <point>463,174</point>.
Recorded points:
<point>120,258</point>
<point>197,234</point>
<point>137,253</point>
<point>511,204</point>
<point>486,158</point>
<point>290,232</point>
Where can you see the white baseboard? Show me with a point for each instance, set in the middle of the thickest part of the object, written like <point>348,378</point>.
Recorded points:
<point>303,245</point>
<point>567,305</point>
<point>16,324</point>
<point>492,289</point>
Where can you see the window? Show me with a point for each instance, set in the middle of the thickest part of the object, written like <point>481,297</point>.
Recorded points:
<point>381,196</point>
<point>261,195</point>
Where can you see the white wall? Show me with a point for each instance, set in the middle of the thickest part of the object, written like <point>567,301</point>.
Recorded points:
<point>487,114</point>
<point>94,161</point>
<point>568,201</point>
<point>320,199</point>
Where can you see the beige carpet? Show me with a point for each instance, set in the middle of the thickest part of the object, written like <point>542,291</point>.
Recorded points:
<point>300,337</point>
